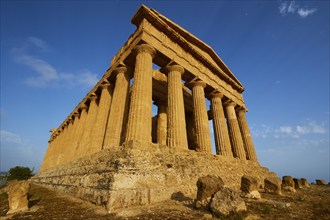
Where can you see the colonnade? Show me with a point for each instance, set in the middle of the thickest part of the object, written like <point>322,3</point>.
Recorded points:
<point>119,113</point>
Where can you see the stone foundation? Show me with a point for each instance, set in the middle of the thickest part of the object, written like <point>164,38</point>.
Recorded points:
<point>139,174</point>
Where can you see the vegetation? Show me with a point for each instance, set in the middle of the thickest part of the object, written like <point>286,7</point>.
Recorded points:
<point>20,173</point>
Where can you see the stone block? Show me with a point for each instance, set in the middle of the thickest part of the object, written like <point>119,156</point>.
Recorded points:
<point>321,182</point>
<point>304,182</point>
<point>273,185</point>
<point>208,186</point>
<point>18,196</point>
<point>249,184</point>
<point>297,183</point>
<point>287,181</point>
<point>226,201</point>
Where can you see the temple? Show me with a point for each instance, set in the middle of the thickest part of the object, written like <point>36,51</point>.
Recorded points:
<point>112,131</point>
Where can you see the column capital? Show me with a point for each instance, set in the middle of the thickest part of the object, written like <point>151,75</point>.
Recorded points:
<point>70,120</point>
<point>93,97</point>
<point>83,107</point>
<point>241,109</point>
<point>120,69</point>
<point>230,103</point>
<point>198,83</point>
<point>145,48</point>
<point>216,95</point>
<point>104,85</point>
<point>174,67</point>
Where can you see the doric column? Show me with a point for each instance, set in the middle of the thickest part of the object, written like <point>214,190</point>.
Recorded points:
<point>88,127</point>
<point>140,111</point>
<point>176,124</point>
<point>68,142</point>
<point>62,145</point>
<point>98,132</point>
<point>203,137</point>
<point>234,131</point>
<point>118,108</point>
<point>247,139</point>
<point>80,129</point>
<point>161,122</point>
<point>222,141</point>
<point>73,138</point>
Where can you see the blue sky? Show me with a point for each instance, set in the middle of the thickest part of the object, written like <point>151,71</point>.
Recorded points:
<point>53,52</point>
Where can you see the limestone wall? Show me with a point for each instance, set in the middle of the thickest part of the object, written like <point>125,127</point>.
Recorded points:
<point>138,175</point>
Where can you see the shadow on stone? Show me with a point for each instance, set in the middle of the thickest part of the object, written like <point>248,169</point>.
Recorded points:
<point>179,196</point>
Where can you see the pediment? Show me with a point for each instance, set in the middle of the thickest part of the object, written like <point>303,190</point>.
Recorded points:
<point>171,29</point>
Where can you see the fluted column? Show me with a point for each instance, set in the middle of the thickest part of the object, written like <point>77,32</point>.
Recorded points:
<point>67,142</point>
<point>246,135</point>
<point>73,138</point>
<point>140,111</point>
<point>61,147</point>
<point>98,132</point>
<point>161,122</point>
<point>203,137</point>
<point>234,131</point>
<point>222,141</point>
<point>118,108</point>
<point>80,130</point>
<point>85,148</point>
<point>176,123</point>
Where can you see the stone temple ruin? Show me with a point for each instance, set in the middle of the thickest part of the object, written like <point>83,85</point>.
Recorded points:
<point>112,152</point>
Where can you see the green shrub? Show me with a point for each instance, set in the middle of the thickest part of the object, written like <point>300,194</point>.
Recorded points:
<point>20,173</point>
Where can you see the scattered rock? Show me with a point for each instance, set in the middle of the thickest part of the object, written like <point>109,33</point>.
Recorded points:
<point>321,182</point>
<point>227,201</point>
<point>304,182</point>
<point>287,181</point>
<point>278,204</point>
<point>249,184</point>
<point>253,195</point>
<point>18,196</point>
<point>207,216</point>
<point>289,189</point>
<point>273,185</point>
<point>297,183</point>
<point>208,186</point>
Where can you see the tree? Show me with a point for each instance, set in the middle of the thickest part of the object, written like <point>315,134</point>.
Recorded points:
<point>20,173</point>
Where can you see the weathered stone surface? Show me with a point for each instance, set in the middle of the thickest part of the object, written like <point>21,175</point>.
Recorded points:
<point>288,189</point>
<point>120,173</point>
<point>304,182</point>
<point>17,196</point>
<point>297,183</point>
<point>208,186</point>
<point>287,181</point>
<point>226,201</point>
<point>273,185</point>
<point>321,182</point>
<point>249,184</point>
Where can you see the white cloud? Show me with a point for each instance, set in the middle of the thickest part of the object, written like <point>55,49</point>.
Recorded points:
<point>283,7</point>
<point>46,74</point>
<point>37,42</point>
<point>9,137</point>
<point>305,12</point>
<point>293,8</point>
<point>309,127</point>
<point>285,130</point>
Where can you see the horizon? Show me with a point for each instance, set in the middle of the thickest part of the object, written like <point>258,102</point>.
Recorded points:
<point>53,53</point>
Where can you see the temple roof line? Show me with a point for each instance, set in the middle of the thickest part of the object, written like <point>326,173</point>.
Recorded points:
<point>185,37</point>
